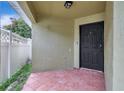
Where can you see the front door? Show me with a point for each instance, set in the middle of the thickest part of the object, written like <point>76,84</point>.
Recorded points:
<point>92,46</point>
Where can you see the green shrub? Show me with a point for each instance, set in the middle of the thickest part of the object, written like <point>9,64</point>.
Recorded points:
<point>23,72</point>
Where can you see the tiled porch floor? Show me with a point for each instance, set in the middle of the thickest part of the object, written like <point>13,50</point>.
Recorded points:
<point>65,80</point>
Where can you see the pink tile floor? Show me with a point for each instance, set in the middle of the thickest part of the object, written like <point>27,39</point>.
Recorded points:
<point>66,80</point>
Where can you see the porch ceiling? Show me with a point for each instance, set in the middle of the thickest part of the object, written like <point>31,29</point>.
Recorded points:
<point>57,9</point>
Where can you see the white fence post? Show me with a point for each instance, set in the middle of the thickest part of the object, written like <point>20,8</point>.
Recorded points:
<point>0,60</point>
<point>9,52</point>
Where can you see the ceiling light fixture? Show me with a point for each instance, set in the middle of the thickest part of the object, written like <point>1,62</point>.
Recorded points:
<point>68,4</point>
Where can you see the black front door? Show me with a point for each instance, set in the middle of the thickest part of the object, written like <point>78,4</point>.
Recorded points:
<point>92,46</point>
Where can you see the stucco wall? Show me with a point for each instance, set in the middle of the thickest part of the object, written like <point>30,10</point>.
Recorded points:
<point>52,45</point>
<point>108,46</point>
<point>114,46</point>
<point>118,53</point>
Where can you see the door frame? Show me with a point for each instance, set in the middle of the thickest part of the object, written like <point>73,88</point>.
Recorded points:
<point>81,21</point>
<point>95,23</point>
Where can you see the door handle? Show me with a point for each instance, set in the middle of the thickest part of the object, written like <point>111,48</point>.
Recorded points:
<point>100,45</point>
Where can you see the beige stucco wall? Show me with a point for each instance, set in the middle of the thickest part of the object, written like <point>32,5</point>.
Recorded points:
<point>114,46</point>
<point>52,45</point>
<point>80,21</point>
<point>108,46</point>
<point>118,46</point>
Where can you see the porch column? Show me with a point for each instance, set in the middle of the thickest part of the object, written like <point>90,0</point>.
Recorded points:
<point>118,46</point>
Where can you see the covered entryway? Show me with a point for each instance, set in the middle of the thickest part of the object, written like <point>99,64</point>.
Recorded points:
<point>92,46</point>
<point>56,32</point>
<point>53,40</point>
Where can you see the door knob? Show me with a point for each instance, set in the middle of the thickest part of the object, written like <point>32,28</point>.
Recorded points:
<point>100,45</point>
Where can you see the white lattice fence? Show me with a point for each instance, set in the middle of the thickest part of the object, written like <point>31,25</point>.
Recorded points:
<point>15,51</point>
<point>5,37</point>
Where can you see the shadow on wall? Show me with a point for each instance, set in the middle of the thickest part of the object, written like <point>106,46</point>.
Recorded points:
<point>52,44</point>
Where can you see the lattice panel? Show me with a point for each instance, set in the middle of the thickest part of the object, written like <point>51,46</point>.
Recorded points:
<point>5,37</point>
